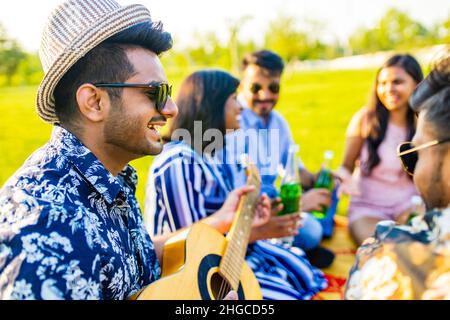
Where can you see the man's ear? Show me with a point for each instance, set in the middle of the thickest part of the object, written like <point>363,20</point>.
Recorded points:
<point>93,103</point>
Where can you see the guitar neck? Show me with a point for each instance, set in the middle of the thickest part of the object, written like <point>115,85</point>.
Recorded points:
<point>239,234</point>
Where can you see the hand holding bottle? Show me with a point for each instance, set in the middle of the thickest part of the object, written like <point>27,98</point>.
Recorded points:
<point>324,181</point>
<point>278,227</point>
<point>314,199</point>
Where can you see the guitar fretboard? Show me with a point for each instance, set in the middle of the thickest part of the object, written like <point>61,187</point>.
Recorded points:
<point>238,237</point>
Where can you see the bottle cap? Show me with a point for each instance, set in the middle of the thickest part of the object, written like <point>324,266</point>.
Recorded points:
<point>328,154</point>
<point>281,170</point>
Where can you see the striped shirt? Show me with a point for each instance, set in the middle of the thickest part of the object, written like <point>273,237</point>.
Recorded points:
<point>267,144</point>
<point>184,187</point>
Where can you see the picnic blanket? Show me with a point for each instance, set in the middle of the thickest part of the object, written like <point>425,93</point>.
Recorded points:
<point>344,248</point>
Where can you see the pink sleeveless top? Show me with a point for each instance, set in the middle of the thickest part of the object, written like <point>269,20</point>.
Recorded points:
<point>387,191</point>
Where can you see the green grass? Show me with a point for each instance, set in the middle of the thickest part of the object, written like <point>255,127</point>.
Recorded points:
<point>318,106</point>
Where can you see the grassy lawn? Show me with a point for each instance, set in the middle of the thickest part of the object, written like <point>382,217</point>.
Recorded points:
<point>318,106</point>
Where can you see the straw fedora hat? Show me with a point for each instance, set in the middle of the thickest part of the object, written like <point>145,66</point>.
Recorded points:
<point>74,28</point>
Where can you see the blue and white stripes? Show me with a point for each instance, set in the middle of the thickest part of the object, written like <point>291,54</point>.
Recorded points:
<point>183,188</point>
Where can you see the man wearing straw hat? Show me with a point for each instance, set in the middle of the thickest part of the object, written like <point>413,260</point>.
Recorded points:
<point>70,224</point>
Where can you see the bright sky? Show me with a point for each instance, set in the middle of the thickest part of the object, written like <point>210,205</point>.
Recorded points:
<point>24,20</point>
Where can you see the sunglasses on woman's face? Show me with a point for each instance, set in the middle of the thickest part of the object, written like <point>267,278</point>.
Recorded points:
<point>157,92</point>
<point>408,153</point>
<point>274,87</point>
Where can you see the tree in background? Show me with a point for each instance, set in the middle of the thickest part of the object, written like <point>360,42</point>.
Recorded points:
<point>293,38</point>
<point>10,55</point>
<point>234,45</point>
<point>284,37</point>
<point>29,71</point>
<point>444,31</point>
<point>210,51</point>
<point>395,30</point>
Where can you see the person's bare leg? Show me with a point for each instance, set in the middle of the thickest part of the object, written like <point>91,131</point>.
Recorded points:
<point>363,228</point>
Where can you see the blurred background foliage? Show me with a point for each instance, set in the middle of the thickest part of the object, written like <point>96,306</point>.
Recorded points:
<point>293,39</point>
<point>317,102</point>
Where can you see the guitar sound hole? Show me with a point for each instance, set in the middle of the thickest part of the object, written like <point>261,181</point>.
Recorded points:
<point>219,286</point>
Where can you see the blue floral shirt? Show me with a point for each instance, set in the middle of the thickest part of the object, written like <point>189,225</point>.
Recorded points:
<point>69,229</point>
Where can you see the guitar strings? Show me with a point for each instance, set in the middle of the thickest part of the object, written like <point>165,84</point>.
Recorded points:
<point>221,290</point>
<point>225,287</point>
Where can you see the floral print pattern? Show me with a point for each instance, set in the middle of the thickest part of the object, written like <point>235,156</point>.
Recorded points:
<point>69,229</point>
<point>404,262</point>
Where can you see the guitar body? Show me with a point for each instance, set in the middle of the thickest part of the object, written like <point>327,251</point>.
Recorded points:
<point>190,269</point>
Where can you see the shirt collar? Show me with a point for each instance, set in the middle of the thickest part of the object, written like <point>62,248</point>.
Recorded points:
<point>90,167</point>
<point>439,220</point>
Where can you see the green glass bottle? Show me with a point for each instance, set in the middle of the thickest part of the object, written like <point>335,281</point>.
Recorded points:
<point>290,196</point>
<point>324,181</point>
<point>291,190</point>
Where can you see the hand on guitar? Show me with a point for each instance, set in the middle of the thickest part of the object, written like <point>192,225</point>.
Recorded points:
<point>225,215</point>
<point>199,251</point>
<point>278,226</point>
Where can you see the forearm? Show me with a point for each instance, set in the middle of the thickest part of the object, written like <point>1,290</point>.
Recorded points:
<point>255,235</point>
<point>158,242</point>
<point>344,172</point>
<point>260,233</point>
<point>214,221</point>
<point>352,151</point>
<point>217,222</point>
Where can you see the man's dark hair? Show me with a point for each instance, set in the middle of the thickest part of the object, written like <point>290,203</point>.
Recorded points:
<point>265,59</point>
<point>107,63</point>
<point>432,95</point>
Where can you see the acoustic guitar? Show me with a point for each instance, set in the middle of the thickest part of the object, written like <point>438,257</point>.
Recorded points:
<point>200,263</point>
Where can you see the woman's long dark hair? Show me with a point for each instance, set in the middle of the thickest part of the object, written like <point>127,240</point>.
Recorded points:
<point>379,115</point>
<point>202,97</point>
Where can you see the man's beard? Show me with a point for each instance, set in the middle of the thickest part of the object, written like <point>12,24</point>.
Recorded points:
<point>261,111</point>
<point>123,132</point>
<point>434,196</point>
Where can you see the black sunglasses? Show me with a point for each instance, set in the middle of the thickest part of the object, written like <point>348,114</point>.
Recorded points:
<point>159,92</point>
<point>408,153</point>
<point>274,87</point>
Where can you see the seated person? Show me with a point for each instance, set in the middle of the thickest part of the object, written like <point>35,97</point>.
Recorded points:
<point>380,189</point>
<point>186,184</point>
<point>266,137</point>
<point>70,224</point>
<point>413,261</point>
